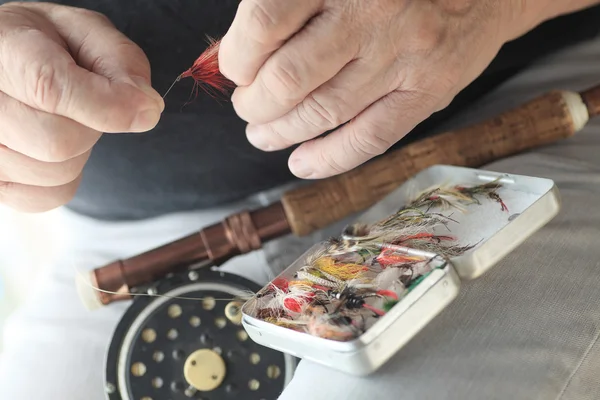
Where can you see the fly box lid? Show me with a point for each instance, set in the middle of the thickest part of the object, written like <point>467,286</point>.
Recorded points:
<point>497,226</point>
<point>352,302</point>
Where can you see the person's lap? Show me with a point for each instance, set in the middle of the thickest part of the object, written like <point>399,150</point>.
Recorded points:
<point>525,330</point>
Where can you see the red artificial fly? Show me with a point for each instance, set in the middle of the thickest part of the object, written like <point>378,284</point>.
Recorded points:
<point>295,305</point>
<point>281,284</point>
<point>390,257</point>
<point>206,74</point>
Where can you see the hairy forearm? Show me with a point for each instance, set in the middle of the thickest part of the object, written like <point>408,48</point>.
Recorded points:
<point>527,14</point>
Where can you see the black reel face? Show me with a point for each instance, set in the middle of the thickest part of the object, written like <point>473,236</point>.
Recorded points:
<point>179,349</point>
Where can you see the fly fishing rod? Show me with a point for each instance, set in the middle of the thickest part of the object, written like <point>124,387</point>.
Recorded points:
<point>554,116</point>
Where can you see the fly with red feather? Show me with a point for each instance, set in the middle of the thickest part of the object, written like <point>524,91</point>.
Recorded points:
<point>206,74</point>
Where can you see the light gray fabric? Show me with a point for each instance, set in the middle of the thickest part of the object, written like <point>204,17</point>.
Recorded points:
<point>529,328</point>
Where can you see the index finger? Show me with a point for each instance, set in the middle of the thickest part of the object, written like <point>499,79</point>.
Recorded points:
<point>259,28</point>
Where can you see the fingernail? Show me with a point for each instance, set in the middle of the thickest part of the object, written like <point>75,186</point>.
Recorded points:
<point>145,120</point>
<point>143,85</point>
<point>256,138</point>
<point>300,168</point>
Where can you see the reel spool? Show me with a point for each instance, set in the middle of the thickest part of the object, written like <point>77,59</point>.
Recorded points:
<point>178,349</point>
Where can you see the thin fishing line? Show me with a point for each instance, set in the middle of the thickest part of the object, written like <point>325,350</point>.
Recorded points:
<point>172,86</point>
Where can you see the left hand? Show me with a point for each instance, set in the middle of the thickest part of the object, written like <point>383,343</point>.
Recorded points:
<point>305,67</point>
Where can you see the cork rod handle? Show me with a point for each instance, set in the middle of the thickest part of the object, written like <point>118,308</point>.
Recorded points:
<point>543,120</point>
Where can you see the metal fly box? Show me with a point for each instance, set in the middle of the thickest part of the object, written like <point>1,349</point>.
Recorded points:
<point>333,305</point>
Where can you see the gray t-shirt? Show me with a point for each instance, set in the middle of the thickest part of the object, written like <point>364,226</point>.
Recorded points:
<point>198,156</point>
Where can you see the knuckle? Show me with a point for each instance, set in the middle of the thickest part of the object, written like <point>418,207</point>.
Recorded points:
<point>368,142</point>
<point>430,38</point>
<point>279,137</point>
<point>44,90</point>
<point>325,158</point>
<point>284,82</point>
<point>101,63</point>
<point>263,19</point>
<point>314,113</point>
<point>426,37</point>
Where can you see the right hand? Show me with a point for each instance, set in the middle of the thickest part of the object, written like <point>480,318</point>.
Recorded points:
<point>67,75</point>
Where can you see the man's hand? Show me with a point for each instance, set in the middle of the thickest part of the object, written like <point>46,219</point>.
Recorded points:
<point>66,76</point>
<point>305,67</point>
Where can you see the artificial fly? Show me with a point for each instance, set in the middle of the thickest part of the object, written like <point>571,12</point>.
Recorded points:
<point>206,73</point>
<point>458,197</point>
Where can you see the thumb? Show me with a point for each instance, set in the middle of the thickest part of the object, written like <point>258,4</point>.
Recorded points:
<point>101,79</point>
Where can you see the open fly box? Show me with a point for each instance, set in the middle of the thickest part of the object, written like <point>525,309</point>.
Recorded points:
<point>352,302</point>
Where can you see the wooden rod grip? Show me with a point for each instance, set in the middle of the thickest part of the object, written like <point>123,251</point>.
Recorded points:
<point>541,121</point>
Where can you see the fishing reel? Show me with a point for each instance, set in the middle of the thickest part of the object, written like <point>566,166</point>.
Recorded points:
<point>169,348</point>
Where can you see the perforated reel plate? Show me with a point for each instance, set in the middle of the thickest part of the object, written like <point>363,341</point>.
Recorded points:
<point>175,349</point>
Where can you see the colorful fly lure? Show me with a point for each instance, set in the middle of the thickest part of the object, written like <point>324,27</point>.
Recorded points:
<point>206,73</point>
<point>458,196</point>
<point>355,279</point>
